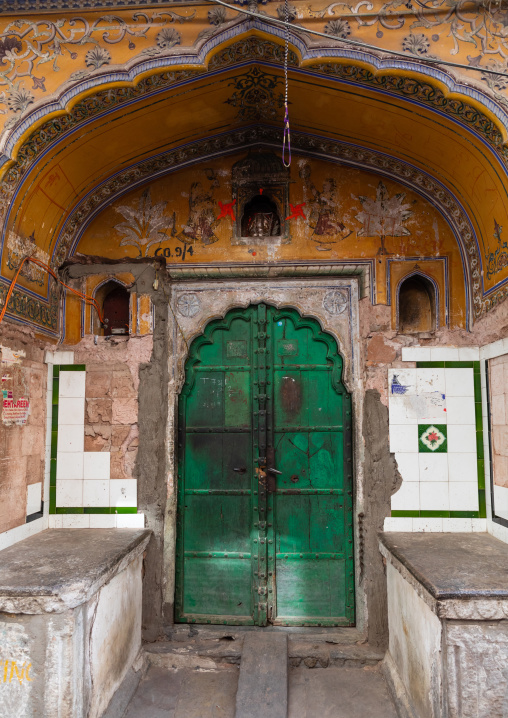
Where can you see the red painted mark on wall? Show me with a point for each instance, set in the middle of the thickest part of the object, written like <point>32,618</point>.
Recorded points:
<point>297,211</point>
<point>226,210</point>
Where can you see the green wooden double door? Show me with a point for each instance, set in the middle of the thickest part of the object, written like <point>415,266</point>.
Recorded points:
<point>265,475</point>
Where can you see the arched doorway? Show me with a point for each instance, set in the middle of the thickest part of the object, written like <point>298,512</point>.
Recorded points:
<point>265,479</point>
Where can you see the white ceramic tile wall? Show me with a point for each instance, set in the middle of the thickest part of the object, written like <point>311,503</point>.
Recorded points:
<point>441,480</point>
<point>33,498</point>
<point>83,478</point>
<point>406,523</point>
<point>85,521</point>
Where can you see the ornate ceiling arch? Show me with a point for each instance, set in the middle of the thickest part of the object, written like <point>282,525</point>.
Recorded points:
<point>469,126</point>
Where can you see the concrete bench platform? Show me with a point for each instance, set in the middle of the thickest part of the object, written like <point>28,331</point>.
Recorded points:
<point>448,627</point>
<point>70,620</point>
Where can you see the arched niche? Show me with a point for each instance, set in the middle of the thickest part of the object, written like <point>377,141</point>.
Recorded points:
<point>417,300</point>
<point>114,301</point>
<point>261,218</point>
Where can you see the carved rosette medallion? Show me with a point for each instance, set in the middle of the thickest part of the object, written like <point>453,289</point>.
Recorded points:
<point>188,305</point>
<point>335,302</point>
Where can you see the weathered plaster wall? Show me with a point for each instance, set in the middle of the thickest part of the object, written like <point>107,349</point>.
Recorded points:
<point>415,644</point>
<point>22,428</point>
<point>341,214</point>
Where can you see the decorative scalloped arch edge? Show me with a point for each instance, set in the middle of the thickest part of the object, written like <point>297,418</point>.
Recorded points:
<point>223,323</point>
<point>200,58</point>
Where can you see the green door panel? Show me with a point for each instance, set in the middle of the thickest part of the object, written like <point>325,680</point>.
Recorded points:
<point>263,391</point>
<point>312,591</point>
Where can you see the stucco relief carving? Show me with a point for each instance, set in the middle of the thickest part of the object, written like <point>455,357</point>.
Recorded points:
<point>188,304</point>
<point>220,299</point>
<point>335,302</point>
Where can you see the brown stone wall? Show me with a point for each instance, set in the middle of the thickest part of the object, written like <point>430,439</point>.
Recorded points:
<point>111,403</point>
<point>111,416</point>
<point>22,446</point>
<point>498,384</point>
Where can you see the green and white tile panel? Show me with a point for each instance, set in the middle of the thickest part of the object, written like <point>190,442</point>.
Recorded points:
<point>82,493</point>
<point>436,433</point>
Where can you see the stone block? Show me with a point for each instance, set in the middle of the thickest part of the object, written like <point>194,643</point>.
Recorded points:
<point>501,470</point>
<point>379,352</point>
<point>98,437</point>
<point>497,383</point>
<point>33,440</point>
<point>125,411</point>
<point>122,385</point>
<point>130,457</point>
<point>118,465</point>
<point>500,440</point>
<point>98,411</point>
<point>119,434</point>
<point>498,409</point>
<point>34,469</point>
<point>13,436</point>
<point>12,492</point>
<point>98,384</point>
<point>476,669</point>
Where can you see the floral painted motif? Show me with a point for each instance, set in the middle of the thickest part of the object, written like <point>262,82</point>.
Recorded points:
<point>385,215</point>
<point>255,95</point>
<point>26,45</point>
<point>498,259</point>
<point>432,438</point>
<point>145,225</point>
<point>338,28</point>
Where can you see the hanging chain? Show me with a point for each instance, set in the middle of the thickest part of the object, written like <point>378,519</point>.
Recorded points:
<point>286,142</point>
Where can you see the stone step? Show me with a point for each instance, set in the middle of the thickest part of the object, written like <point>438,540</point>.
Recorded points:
<point>211,648</point>
<point>194,653</point>
<point>186,632</point>
<point>263,680</point>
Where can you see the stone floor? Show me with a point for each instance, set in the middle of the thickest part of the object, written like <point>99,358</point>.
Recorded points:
<point>333,692</point>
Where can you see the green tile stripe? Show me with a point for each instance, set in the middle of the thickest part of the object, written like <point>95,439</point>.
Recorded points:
<point>480,457</point>
<point>54,440</point>
<point>96,510</point>
<point>53,509</point>
<point>438,514</point>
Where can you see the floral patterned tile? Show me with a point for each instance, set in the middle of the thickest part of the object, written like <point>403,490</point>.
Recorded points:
<point>432,438</point>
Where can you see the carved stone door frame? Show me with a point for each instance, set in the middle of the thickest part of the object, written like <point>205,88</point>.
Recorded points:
<point>333,301</point>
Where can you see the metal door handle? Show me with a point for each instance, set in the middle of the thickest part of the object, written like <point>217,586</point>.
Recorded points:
<point>241,471</point>
<point>274,471</point>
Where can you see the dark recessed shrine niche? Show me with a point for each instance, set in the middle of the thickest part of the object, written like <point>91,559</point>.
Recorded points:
<point>114,301</point>
<point>261,218</point>
<point>416,305</point>
<point>260,185</point>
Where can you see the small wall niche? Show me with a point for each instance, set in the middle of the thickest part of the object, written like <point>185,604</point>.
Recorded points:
<point>416,305</point>
<point>260,186</point>
<point>261,218</point>
<point>114,301</point>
